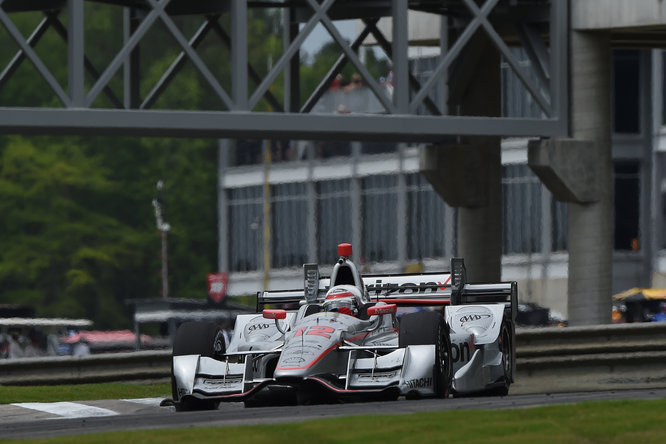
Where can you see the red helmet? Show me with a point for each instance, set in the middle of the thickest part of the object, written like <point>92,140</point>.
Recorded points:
<point>343,299</point>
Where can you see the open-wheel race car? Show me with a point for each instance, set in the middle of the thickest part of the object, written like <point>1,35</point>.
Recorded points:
<point>340,338</point>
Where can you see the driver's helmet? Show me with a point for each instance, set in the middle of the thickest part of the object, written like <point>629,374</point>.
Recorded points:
<point>343,299</point>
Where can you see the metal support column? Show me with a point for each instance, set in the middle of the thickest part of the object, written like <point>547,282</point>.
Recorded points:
<point>656,224</point>
<point>646,236</point>
<point>559,63</point>
<point>223,229</point>
<point>356,192</point>
<point>402,211</point>
<point>75,53</point>
<point>132,66</point>
<point>400,60</point>
<point>292,78</point>
<point>239,56</point>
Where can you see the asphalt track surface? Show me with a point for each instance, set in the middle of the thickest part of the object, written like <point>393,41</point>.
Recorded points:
<point>42,420</point>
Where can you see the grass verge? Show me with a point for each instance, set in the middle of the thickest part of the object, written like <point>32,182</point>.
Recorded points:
<point>591,422</point>
<point>81,392</point>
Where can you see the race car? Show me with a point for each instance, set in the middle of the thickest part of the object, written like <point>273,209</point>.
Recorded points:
<point>340,339</point>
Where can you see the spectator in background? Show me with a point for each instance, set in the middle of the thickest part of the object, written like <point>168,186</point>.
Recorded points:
<point>52,344</point>
<point>33,348</point>
<point>4,346</point>
<point>337,82</point>
<point>81,348</point>
<point>356,83</point>
<point>15,347</point>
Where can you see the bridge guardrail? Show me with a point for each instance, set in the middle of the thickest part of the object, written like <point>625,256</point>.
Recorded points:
<point>548,360</point>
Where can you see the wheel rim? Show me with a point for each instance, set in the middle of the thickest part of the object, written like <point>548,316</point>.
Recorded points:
<point>219,344</point>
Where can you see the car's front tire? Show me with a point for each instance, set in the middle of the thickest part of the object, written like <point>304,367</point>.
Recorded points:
<point>196,338</point>
<point>429,327</point>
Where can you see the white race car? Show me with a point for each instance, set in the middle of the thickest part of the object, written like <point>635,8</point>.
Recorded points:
<point>340,339</point>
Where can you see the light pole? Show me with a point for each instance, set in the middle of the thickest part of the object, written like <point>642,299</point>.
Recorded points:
<point>163,227</point>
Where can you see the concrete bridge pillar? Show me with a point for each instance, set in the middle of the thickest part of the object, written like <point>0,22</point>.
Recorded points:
<point>468,175</point>
<point>591,224</point>
<point>580,171</point>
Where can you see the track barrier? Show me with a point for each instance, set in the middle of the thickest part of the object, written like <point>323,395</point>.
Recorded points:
<point>548,360</point>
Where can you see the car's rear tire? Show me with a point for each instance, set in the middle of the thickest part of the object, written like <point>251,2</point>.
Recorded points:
<point>429,327</point>
<point>196,338</point>
<point>506,347</point>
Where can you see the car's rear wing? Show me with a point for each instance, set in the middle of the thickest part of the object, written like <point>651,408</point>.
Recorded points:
<point>502,293</point>
<point>423,289</point>
<point>463,293</point>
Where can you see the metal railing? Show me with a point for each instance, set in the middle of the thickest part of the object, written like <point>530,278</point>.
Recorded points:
<point>107,367</point>
<point>602,357</point>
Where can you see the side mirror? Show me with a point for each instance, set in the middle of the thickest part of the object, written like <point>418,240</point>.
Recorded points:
<point>277,315</point>
<point>377,310</point>
<point>274,314</point>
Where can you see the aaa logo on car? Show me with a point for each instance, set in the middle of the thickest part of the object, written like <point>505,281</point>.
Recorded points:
<point>468,317</point>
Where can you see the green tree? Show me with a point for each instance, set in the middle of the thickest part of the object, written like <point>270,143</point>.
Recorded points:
<point>58,252</point>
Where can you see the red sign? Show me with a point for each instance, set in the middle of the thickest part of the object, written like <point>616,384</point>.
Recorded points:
<point>217,286</point>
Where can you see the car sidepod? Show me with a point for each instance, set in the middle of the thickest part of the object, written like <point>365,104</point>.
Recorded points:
<point>475,347</point>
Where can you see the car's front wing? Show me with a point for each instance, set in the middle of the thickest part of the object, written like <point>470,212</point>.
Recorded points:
<point>400,372</point>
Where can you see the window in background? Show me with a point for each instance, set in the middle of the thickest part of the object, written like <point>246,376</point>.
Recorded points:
<point>378,148</point>
<point>245,228</point>
<point>379,222</point>
<point>663,87</point>
<point>288,225</point>
<point>333,218</point>
<point>626,91</point>
<point>627,205</point>
<point>426,215</point>
<point>516,100</point>
<point>560,224</point>
<point>522,210</point>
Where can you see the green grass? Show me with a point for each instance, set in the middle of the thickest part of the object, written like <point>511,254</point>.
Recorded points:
<point>81,392</point>
<point>592,422</point>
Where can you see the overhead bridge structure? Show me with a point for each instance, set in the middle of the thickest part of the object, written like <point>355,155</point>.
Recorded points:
<point>111,96</point>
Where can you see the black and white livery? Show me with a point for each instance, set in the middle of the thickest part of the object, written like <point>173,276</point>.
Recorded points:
<point>341,338</point>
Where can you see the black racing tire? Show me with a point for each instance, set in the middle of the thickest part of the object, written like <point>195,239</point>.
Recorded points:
<point>199,338</point>
<point>429,327</point>
<point>506,347</point>
<point>196,338</point>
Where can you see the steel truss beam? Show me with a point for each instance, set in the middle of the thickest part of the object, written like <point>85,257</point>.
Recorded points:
<point>544,41</point>
<point>255,125</point>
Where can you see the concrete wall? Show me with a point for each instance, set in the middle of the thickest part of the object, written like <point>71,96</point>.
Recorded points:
<point>539,282</point>
<point>606,14</point>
